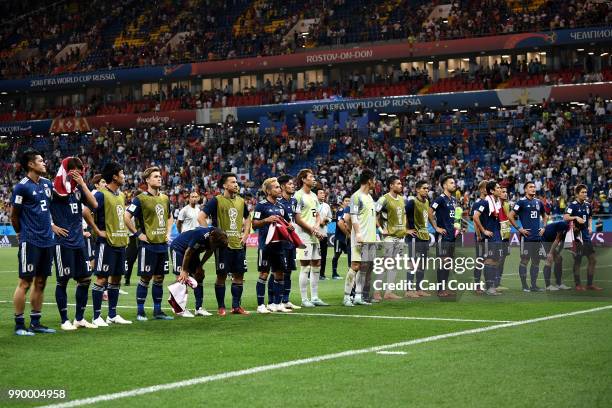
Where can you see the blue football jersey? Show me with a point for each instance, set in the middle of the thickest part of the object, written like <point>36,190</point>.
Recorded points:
<point>582,210</point>
<point>554,228</point>
<point>67,213</point>
<point>489,221</point>
<point>444,211</point>
<point>197,239</point>
<point>529,213</point>
<point>288,207</point>
<point>34,200</point>
<point>339,236</point>
<point>474,208</point>
<point>265,209</point>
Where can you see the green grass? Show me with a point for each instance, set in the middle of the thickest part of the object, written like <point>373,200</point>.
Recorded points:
<point>561,362</point>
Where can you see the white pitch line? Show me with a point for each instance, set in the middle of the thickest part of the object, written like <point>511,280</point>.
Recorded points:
<point>310,360</point>
<point>333,315</point>
<point>392,353</point>
<point>444,319</point>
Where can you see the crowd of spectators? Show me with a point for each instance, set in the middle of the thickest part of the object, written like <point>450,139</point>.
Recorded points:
<point>556,146</point>
<point>470,18</point>
<point>215,29</point>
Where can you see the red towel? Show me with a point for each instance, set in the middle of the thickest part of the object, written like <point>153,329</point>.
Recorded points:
<point>63,184</point>
<point>278,232</point>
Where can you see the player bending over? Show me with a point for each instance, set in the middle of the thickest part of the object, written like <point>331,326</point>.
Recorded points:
<point>186,249</point>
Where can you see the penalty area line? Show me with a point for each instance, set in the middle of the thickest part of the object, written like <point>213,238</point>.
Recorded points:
<point>310,360</point>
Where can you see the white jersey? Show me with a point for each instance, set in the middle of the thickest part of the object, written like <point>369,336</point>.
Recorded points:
<point>362,207</point>
<point>325,215</point>
<point>307,207</point>
<point>189,216</point>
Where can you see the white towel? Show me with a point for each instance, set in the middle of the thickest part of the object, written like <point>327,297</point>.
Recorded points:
<point>494,205</point>
<point>570,238</point>
<point>178,295</point>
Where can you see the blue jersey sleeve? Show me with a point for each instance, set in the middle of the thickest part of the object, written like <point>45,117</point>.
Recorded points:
<point>100,200</point>
<point>518,206</point>
<point>210,209</point>
<point>19,193</point>
<point>480,207</point>
<point>135,208</point>
<point>437,203</point>
<point>475,207</point>
<point>259,212</point>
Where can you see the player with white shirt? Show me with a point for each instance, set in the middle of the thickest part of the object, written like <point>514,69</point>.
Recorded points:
<point>325,215</point>
<point>363,239</point>
<point>188,216</point>
<point>308,223</point>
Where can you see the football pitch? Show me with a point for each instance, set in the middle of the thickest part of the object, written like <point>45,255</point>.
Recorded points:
<point>550,349</point>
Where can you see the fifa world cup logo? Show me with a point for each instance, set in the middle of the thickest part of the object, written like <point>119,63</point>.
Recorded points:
<point>233,215</point>
<point>120,212</point>
<point>400,215</point>
<point>159,210</point>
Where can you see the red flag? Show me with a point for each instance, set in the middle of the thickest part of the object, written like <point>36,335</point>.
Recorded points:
<point>278,231</point>
<point>63,182</point>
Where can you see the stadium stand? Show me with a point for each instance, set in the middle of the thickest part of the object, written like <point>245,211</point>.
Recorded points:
<point>557,146</point>
<point>358,85</point>
<point>138,33</point>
